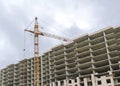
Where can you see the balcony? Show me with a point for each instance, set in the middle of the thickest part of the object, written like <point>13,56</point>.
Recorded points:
<point>115,66</point>
<point>99,51</point>
<point>60,77</point>
<point>86,71</point>
<point>58,48</point>
<point>70,54</point>
<point>84,54</point>
<point>109,30</point>
<point>101,63</point>
<point>96,35</point>
<point>98,46</point>
<point>111,41</point>
<point>59,56</point>
<point>59,52</point>
<point>115,59</point>
<point>71,49</point>
<point>110,36</point>
<point>97,40</point>
<point>58,67</point>
<point>59,62</point>
<point>102,69</point>
<point>100,57</point>
<point>83,38</point>
<point>59,72</point>
<point>83,49</point>
<point>82,44</point>
<point>114,53</point>
<point>85,65</point>
<point>84,59</point>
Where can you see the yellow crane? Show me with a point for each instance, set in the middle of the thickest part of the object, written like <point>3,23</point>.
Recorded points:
<point>36,33</point>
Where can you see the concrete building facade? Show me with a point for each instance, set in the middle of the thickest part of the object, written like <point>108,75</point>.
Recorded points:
<point>20,74</point>
<point>90,60</point>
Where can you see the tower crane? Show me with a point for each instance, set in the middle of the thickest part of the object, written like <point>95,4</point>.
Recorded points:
<point>37,33</point>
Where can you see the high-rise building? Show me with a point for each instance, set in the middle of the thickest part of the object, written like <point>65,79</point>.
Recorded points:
<point>90,60</point>
<point>20,74</point>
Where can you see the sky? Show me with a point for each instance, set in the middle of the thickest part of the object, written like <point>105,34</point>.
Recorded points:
<point>66,18</point>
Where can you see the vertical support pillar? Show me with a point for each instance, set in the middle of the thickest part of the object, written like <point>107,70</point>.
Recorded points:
<point>73,82</point>
<point>59,83</point>
<point>103,79</point>
<point>53,84</point>
<point>85,82</point>
<point>111,78</point>
<point>65,83</point>
<point>93,80</point>
<point>78,81</point>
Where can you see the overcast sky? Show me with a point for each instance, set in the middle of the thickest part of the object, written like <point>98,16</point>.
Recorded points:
<point>67,18</point>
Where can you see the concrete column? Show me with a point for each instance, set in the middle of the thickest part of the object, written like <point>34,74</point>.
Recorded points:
<point>78,81</point>
<point>119,63</point>
<point>85,81</point>
<point>112,82</point>
<point>53,83</point>
<point>93,80</point>
<point>103,79</point>
<point>73,82</point>
<point>59,83</point>
<point>111,78</point>
<point>65,83</point>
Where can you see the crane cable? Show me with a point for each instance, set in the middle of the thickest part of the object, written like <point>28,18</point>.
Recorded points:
<point>24,44</point>
<point>30,24</point>
<point>54,27</point>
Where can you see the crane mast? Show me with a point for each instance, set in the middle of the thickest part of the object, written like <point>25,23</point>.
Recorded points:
<point>36,39</point>
<point>36,33</point>
<point>36,54</point>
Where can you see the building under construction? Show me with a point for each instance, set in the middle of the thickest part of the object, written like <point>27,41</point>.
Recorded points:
<point>90,60</point>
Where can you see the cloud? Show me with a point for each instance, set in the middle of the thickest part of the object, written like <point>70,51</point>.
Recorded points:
<point>62,19</point>
<point>7,49</point>
<point>67,18</point>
